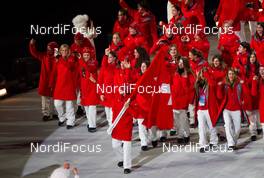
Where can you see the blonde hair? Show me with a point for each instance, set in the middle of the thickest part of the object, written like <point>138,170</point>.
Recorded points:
<point>227,78</point>
<point>64,46</point>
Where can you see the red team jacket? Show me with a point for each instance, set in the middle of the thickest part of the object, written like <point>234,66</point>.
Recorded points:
<point>257,43</point>
<point>122,28</point>
<point>261,14</point>
<point>106,79</point>
<point>249,14</point>
<point>202,45</point>
<point>232,97</point>
<point>229,10</point>
<point>258,91</point>
<point>123,130</point>
<point>88,88</point>
<point>64,79</point>
<point>78,48</point>
<point>47,63</point>
<point>211,102</point>
<point>228,45</point>
<point>131,42</point>
<point>146,22</point>
<point>182,91</point>
<point>194,13</point>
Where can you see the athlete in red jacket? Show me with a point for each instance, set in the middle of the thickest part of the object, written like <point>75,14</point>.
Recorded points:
<point>47,60</point>
<point>138,113</point>
<point>241,59</point>
<point>252,69</point>
<point>193,11</point>
<point>79,43</point>
<point>140,55</point>
<point>106,84</point>
<point>177,18</point>
<point>201,43</point>
<point>146,21</point>
<point>88,81</point>
<point>64,85</point>
<point>257,42</point>
<point>228,11</point>
<point>217,72</point>
<point>122,132</point>
<point>133,40</point>
<point>122,23</point>
<point>248,13</point>
<point>182,89</point>
<point>197,61</point>
<point>228,45</point>
<point>166,39</point>
<point>116,46</point>
<point>232,94</point>
<point>261,12</point>
<point>206,108</point>
<point>258,91</point>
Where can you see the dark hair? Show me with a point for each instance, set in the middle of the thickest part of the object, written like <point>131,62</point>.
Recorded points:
<point>186,65</point>
<point>113,54</point>
<point>197,53</point>
<point>219,57</point>
<point>177,8</point>
<point>256,63</point>
<point>124,12</point>
<point>246,45</point>
<point>262,25</point>
<point>143,56</point>
<point>143,4</point>
<point>147,64</point>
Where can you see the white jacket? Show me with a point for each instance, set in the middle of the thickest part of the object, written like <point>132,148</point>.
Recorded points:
<point>62,173</point>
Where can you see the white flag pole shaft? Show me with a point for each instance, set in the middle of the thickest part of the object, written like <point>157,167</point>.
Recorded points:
<point>118,118</point>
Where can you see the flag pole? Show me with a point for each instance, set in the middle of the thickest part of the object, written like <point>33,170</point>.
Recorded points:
<point>118,118</point>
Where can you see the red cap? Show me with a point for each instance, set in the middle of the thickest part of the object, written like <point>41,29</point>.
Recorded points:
<point>53,45</point>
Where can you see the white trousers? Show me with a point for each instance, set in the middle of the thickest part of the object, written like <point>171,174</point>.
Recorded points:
<point>122,150</point>
<point>191,110</point>
<point>163,133</point>
<point>143,133</point>
<point>204,123</point>
<point>78,101</point>
<point>47,105</point>
<point>181,123</point>
<point>252,27</point>
<point>65,111</point>
<point>254,121</point>
<point>91,115</point>
<point>109,115</point>
<point>153,133</point>
<point>232,126</point>
<point>169,11</point>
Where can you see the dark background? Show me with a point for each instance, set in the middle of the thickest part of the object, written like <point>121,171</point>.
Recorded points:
<point>18,16</point>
